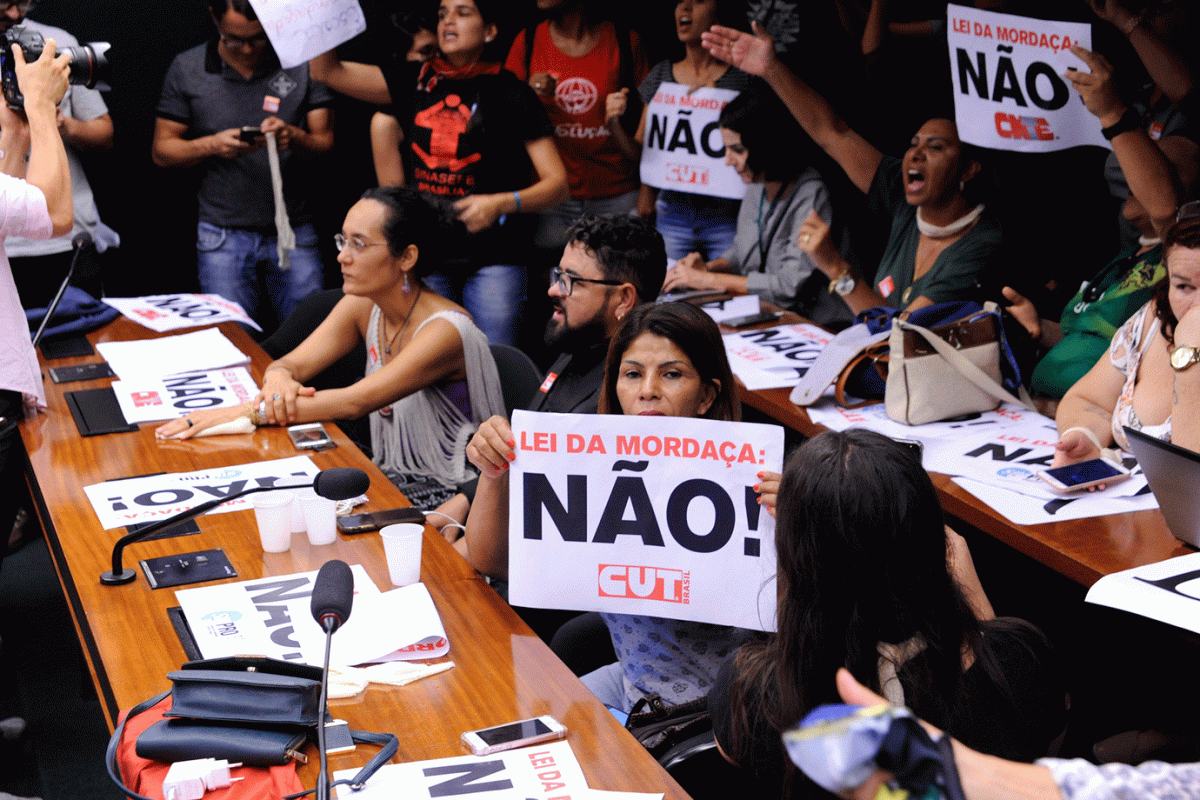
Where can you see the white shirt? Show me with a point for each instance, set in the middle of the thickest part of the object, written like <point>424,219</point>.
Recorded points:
<point>23,212</point>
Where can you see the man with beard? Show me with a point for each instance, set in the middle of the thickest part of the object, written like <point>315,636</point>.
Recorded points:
<point>610,265</point>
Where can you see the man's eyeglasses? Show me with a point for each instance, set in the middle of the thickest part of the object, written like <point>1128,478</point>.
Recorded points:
<point>356,245</point>
<point>565,281</point>
<point>237,42</point>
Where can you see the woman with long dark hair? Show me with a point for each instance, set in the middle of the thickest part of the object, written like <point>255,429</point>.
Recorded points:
<point>869,579</point>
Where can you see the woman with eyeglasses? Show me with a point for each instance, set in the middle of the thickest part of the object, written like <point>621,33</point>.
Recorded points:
<point>430,377</point>
<point>1075,342</point>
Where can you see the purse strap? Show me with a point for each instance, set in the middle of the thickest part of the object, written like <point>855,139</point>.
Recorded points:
<point>877,354</point>
<point>965,368</point>
<point>389,744</point>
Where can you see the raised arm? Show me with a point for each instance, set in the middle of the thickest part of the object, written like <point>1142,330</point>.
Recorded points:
<point>755,54</point>
<point>361,81</point>
<point>1147,171</point>
<point>43,84</point>
<point>1168,71</point>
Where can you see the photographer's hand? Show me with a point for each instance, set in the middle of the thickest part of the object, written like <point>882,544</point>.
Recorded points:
<point>43,84</point>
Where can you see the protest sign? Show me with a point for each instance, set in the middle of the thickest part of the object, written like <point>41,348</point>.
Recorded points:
<point>643,515</point>
<point>771,357</point>
<point>142,359</point>
<point>155,497</point>
<point>177,395</point>
<point>548,771</point>
<point>1168,591</point>
<point>1009,93</point>
<point>683,147</point>
<point>272,616</point>
<point>168,312</point>
<point>302,29</point>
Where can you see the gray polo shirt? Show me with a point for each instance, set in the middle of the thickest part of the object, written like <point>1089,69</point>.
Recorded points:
<point>206,94</point>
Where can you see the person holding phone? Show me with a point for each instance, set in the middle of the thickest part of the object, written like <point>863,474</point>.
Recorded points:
<point>211,95</point>
<point>1148,380</point>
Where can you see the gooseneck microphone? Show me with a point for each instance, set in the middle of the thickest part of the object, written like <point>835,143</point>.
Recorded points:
<point>339,483</point>
<point>81,240</point>
<point>333,594</point>
<point>332,597</point>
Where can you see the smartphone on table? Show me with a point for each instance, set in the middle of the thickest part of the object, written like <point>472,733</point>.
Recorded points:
<point>513,735</point>
<point>1084,475</point>
<point>363,523</point>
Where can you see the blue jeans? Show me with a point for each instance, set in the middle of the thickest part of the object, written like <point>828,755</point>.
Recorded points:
<point>231,261</point>
<point>695,223</point>
<point>494,295</point>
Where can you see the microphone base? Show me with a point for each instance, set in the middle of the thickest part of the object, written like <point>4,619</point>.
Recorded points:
<point>111,578</point>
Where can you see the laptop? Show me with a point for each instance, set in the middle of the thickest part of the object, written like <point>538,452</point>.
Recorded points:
<point>1173,473</point>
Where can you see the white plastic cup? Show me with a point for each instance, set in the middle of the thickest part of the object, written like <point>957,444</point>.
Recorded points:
<point>273,513</point>
<point>320,518</point>
<point>402,546</point>
<point>298,509</point>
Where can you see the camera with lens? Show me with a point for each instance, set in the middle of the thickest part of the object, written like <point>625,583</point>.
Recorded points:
<point>89,63</point>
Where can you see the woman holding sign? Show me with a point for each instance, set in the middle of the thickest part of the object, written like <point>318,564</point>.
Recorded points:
<point>870,579</point>
<point>430,375</point>
<point>689,221</point>
<point>940,243</point>
<point>666,360</point>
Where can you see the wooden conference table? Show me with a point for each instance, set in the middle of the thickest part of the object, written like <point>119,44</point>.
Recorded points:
<point>502,671</point>
<point>1083,550</point>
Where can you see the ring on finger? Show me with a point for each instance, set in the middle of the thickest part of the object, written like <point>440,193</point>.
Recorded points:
<point>277,396</point>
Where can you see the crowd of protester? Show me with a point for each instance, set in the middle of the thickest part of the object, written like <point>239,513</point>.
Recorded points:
<point>500,124</point>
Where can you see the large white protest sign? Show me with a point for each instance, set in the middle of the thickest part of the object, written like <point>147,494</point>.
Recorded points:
<point>1168,591</point>
<point>773,357</point>
<point>1009,93</point>
<point>302,29</point>
<point>1022,509</point>
<point>169,312</point>
<point>142,359</point>
<point>155,497</point>
<point>548,771</point>
<point>643,515</point>
<point>177,395</point>
<point>683,147</point>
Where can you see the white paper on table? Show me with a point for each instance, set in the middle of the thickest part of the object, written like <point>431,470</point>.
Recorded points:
<point>601,794</point>
<point>547,770</point>
<point>1011,459</point>
<point>178,395</point>
<point>1021,509</point>
<point>154,497</point>
<point>1010,418</point>
<point>399,625</point>
<point>143,359</point>
<point>784,350</point>
<point>1168,591</point>
<point>168,312</point>
<point>266,616</point>
<point>742,305</point>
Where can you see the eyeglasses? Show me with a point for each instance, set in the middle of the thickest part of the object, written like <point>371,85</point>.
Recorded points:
<point>356,245</point>
<point>565,281</point>
<point>237,42</point>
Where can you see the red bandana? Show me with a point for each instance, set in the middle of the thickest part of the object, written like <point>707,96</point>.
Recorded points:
<point>437,68</point>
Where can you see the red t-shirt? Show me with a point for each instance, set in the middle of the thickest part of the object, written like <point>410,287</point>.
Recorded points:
<point>596,167</point>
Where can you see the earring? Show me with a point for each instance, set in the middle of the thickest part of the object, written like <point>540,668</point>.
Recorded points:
<point>406,287</point>
<point>962,185</point>
<point>488,39</point>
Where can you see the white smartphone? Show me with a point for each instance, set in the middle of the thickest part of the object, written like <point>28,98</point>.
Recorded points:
<point>513,735</point>
<point>1084,475</point>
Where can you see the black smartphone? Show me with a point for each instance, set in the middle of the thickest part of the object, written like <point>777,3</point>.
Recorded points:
<point>249,133</point>
<point>753,319</point>
<point>362,523</point>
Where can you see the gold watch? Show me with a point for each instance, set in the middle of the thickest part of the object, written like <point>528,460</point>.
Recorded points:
<point>843,284</point>
<point>1184,356</point>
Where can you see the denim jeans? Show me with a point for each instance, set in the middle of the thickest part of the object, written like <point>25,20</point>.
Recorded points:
<point>494,295</point>
<point>234,263</point>
<point>554,221</point>
<point>694,223</point>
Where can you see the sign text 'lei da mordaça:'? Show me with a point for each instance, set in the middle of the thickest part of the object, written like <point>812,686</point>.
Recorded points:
<point>643,515</point>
